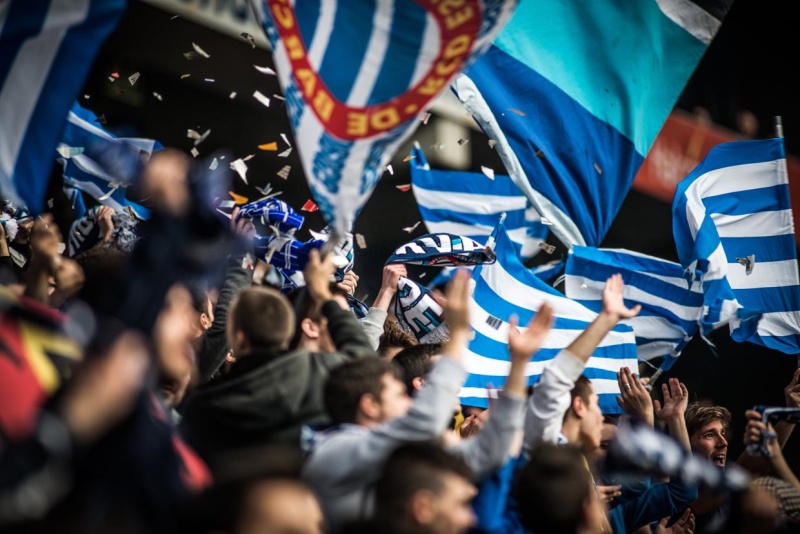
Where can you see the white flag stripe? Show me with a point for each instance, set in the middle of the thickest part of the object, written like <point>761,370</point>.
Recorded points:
<point>378,43</point>
<point>655,349</point>
<point>322,34</point>
<point>481,365</point>
<point>763,275</point>
<point>468,202</point>
<point>430,41</point>
<point>763,224</point>
<point>717,264</point>
<point>779,323</point>
<point>600,385</point>
<point>650,327</point>
<point>517,235</point>
<point>737,178</point>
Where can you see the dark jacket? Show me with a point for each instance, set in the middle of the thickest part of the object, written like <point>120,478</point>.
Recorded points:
<point>267,397</point>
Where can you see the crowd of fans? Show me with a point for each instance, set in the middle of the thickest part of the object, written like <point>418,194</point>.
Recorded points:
<point>160,383</point>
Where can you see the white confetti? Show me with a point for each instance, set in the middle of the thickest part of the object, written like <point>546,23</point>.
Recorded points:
<point>425,118</point>
<point>492,142</point>
<point>87,97</point>
<point>285,139</point>
<point>410,229</point>
<point>214,164</point>
<point>227,204</point>
<point>158,96</point>
<point>248,157</point>
<point>488,172</point>
<point>547,247</point>
<point>69,151</point>
<point>545,221</point>
<point>285,153</point>
<point>265,70</point>
<point>284,172</point>
<point>191,134</point>
<point>360,241</point>
<point>194,152</point>
<point>210,80</point>
<point>50,203</point>
<point>191,55</point>
<point>232,95</point>
<point>200,51</point>
<point>202,137</point>
<point>241,167</point>
<point>111,79</point>
<point>250,39</point>
<point>597,168</point>
<point>133,78</point>
<point>261,98</point>
<point>390,169</point>
<point>228,215</point>
<point>277,97</point>
<point>107,195</point>
<point>748,262</point>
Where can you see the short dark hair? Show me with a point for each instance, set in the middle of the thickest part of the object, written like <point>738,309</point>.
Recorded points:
<point>394,336</point>
<point>264,316</point>
<point>198,290</point>
<point>411,468</point>
<point>416,361</point>
<point>307,308</point>
<point>103,265</point>
<point>698,415</point>
<point>552,488</point>
<point>347,383</point>
<point>582,388</point>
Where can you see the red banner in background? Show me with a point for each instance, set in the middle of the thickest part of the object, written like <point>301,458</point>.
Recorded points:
<point>682,143</point>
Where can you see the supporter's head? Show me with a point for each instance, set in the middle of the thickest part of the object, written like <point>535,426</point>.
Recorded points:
<point>311,327</point>
<point>366,392</point>
<point>201,304</point>
<point>424,488</point>
<point>555,492</point>
<point>394,339</point>
<point>415,362</point>
<point>610,423</point>
<point>584,418</point>
<point>100,264</point>
<point>256,505</point>
<point>259,319</point>
<point>707,426</point>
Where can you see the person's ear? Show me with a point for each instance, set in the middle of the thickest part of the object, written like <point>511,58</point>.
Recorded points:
<point>309,328</point>
<point>421,506</point>
<point>242,344</point>
<point>417,382</point>
<point>578,407</point>
<point>205,321</point>
<point>369,406</point>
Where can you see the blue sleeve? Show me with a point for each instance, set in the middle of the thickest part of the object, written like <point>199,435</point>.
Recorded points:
<point>494,505</point>
<point>655,503</point>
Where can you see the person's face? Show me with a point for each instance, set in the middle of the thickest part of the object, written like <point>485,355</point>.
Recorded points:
<point>709,441</point>
<point>394,400</point>
<point>592,424</point>
<point>607,434</point>
<point>452,511</point>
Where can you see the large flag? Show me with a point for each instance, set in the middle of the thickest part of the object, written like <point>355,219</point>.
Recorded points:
<point>575,93</point>
<point>732,219</point>
<point>470,204</point>
<point>507,287</point>
<point>48,47</point>
<point>357,75</point>
<point>671,310</point>
<point>84,173</point>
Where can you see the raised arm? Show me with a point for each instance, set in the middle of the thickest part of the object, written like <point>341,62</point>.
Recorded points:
<point>379,311</point>
<point>676,399</point>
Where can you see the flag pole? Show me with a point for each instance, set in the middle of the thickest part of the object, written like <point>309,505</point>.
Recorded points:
<point>778,126</point>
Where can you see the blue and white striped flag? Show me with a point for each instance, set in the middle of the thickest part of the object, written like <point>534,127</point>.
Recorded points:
<point>357,75</point>
<point>575,93</point>
<point>507,287</point>
<point>470,204</point>
<point>732,218</point>
<point>48,47</point>
<point>671,310</point>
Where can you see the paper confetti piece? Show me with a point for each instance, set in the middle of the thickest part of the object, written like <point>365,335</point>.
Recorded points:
<point>69,151</point>
<point>269,146</point>
<point>405,188</point>
<point>202,137</point>
<point>209,80</point>
<point>239,199</point>
<point>194,152</point>
<point>50,203</point>
<point>492,142</point>
<point>518,112</point>
<point>463,141</point>
<point>408,158</point>
<point>191,55</point>
<point>285,153</point>
<point>425,118</point>
<point>748,262</point>
<point>108,195</point>
<point>214,164</point>
<point>265,70</point>
<point>360,241</point>
<point>158,96</point>
<point>539,154</point>
<point>200,51</point>
<point>284,172</point>
<point>227,204</point>
<point>191,134</point>
<point>264,190</point>
<point>110,79</point>
<point>285,139</point>
<point>488,172</point>
<point>232,95</point>
<point>261,98</point>
<point>597,168</point>
<point>309,206</point>
<point>390,169</point>
<point>115,75</point>
<point>228,215</point>
<point>87,97</point>
<point>410,229</point>
<point>248,157</point>
<point>185,76</point>
<point>547,247</point>
<point>545,221</point>
<point>240,167</point>
<point>277,97</point>
<point>250,39</point>
<point>133,78</point>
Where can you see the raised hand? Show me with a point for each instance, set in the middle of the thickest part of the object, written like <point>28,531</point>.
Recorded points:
<point>456,310</point>
<point>613,302</point>
<point>684,524</point>
<point>349,282</point>
<point>634,399</point>
<point>676,399</point>
<point>792,391</point>
<point>318,273</point>
<point>105,221</point>
<point>242,227</point>
<point>522,345</point>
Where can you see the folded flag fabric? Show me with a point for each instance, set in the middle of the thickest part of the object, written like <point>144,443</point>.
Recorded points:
<point>283,251</point>
<point>671,310</point>
<point>48,48</point>
<point>506,288</point>
<point>358,75</point>
<point>418,312</point>
<point>273,212</point>
<point>442,249</point>
<point>469,204</point>
<point>82,151</point>
<point>732,219</point>
<point>85,232</point>
<point>574,93</point>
